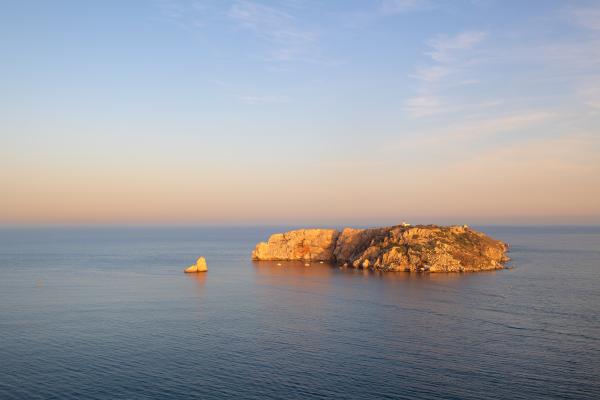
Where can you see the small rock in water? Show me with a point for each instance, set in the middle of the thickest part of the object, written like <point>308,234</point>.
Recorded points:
<point>279,264</point>
<point>200,266</point>
<point>307,265</point>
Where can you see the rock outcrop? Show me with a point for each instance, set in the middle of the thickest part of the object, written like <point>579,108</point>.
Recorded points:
<point>397,248</point>
<point>299,245</point>
<point>200,266</point>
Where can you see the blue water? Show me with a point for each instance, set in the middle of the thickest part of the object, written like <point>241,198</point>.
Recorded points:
<point>107,313</point>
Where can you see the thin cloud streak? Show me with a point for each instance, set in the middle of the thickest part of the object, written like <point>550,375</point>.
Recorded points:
<point>477,129</point>
<point>449,57</point>
<point>269,23</point>
<point>586,17</point>
<point>286,39</point>
<point>254,100</point>
<point>432,73</point>
<point>393,7</point>
<point>445,48</point>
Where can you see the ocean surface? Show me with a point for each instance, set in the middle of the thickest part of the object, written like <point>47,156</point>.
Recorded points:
<point>107,313</point>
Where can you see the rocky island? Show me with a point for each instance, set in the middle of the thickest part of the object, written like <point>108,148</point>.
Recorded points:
<point>396,248</point>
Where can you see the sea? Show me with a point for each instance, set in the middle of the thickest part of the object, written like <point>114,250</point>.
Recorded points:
<point>107,313</point>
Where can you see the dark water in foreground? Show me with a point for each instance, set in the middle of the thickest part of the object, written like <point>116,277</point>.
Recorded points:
<point>108,314</point>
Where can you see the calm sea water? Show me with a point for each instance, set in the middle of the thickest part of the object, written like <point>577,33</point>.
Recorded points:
<point>109,314</point>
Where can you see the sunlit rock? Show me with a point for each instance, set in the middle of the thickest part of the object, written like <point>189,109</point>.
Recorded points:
<point>200,266</point>
<point>298,245</point>
<point>425,248</point>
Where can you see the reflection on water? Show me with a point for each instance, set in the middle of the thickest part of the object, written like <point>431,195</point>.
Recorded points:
<point>199,278</point>
<point>288,272</point>
<point>109,313</point>
<point>292,272</point>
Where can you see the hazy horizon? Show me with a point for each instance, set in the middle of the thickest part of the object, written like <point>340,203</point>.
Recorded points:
<point>566,222</point>
<point>300,113</point>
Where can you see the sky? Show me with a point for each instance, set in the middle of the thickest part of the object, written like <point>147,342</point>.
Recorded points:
<point>299,112</point>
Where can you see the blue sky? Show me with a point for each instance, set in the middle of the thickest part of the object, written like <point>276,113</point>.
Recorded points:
<point>300,111</point>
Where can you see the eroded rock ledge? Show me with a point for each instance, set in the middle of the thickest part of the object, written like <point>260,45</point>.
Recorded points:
<point>397,248</point>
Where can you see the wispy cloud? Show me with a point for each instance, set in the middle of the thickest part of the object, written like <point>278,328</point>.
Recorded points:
<point>269,23</point>
<point>479,128</point>
<point>371,13</point>
<point>491,126</point>
<point>286,38</point>
<point>591,95</point>
<point>586,17</point>
<point>189,15</point>
<point>279,32</point>
<point>463,139</point>
<point>258,100</point>
<point>446,48</point>
<point>573,61</point>
<point>423,105</point>
<point>431,73</point>
<point>448,56</point>
<point>250,95</point>
<point>391,7</point>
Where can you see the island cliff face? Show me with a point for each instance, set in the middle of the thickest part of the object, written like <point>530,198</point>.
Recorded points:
<point>300,245</point>
<point>397,248</point>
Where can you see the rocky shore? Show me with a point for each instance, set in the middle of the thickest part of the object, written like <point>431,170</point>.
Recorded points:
<point>397,248</point>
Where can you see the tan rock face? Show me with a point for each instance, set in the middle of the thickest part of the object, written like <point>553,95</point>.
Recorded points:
<point>351,241</point>
<point>200,266</point>
<point>397,248</point>
<point>302,244</point>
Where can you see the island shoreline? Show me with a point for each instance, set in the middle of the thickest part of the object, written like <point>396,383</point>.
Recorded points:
<point>421,248</point>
